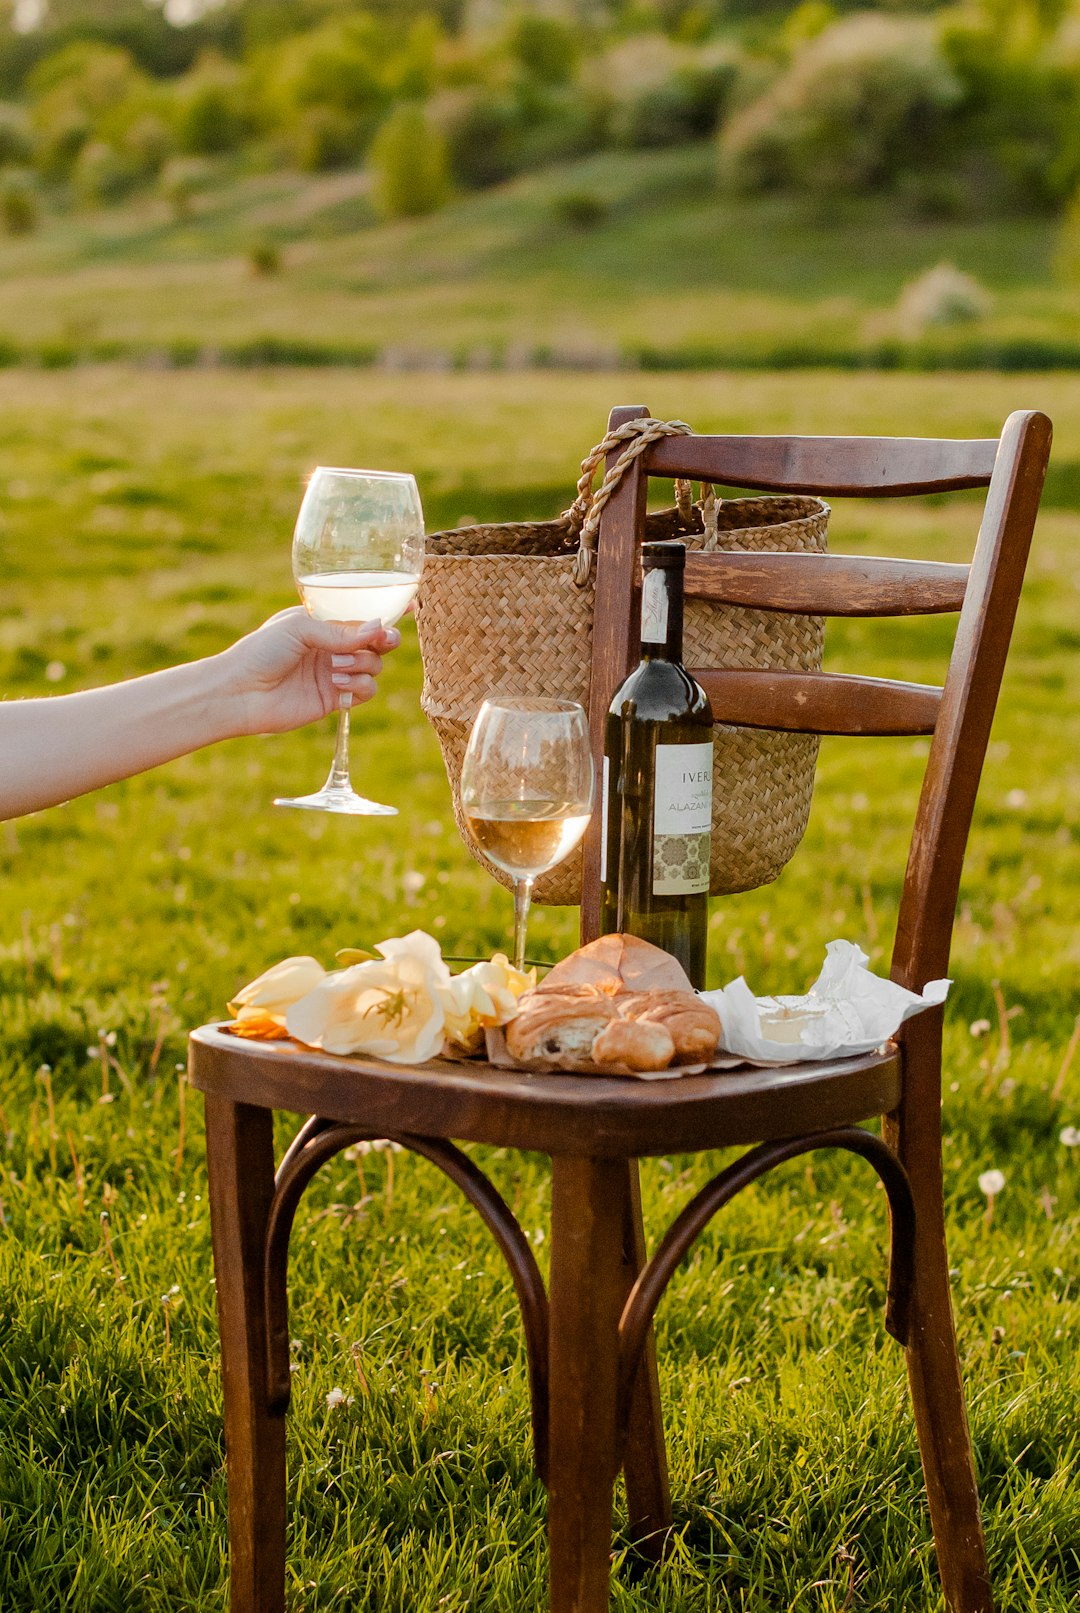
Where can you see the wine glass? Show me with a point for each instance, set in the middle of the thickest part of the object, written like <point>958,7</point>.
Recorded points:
<point>527,789</point>
<point>356,556</point>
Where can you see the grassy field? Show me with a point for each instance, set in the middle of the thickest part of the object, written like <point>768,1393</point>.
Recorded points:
<point>675,272</point>
<point>146,518</point>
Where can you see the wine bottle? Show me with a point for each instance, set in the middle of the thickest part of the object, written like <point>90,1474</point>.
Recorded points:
<point>657,784</point>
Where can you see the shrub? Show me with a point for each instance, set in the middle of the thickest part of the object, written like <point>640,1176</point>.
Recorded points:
<point>326,90</point>
<point>104,174</point>
<point>479,127</point>
<point>264,257</point>
<point>860,103</point>
<point>545,47</point>
<point>408,160</point>
<point>581,209</point>
<point>324,137</point>
<point>663,94</point>
<point>19,212</point>
<point>941,296</point>
<point>16,146</point>
<point>209,108</point>
<point>180,181</point>
<point>72,92</point>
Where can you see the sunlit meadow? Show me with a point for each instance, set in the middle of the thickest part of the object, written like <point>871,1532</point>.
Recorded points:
<point>145,518</point>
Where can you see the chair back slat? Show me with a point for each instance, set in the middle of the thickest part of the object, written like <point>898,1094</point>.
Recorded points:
<point>866,467</point>
<point>819,702</point>
<point>827,584</point>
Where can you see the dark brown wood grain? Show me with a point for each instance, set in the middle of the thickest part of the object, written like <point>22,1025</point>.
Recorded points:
<point>587,1296</point>
<point>563,1114</point>
<point>819,702</point>
<point>867,467</point>
<point>827,584</point>
<point>240,1167</point>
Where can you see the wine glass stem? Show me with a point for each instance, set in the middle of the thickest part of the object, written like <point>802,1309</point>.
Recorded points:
<point>339,773</point>
<point>522,898</point>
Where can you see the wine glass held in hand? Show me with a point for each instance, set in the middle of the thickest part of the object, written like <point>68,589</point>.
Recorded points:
<point>527,790</point>
<point>356,555</point>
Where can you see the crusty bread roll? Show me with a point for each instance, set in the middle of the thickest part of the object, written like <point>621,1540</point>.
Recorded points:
<point>559,1028</point>
<point>634,1044</point>
<point>694,1027</point>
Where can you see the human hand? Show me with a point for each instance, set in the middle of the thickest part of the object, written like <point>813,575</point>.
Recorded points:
<point>294,669</point>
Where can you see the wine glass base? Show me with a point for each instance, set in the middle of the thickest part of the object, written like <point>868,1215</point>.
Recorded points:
<point>346,802</point>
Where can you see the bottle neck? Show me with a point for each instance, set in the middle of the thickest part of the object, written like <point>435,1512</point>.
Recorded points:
<point>662,614</point>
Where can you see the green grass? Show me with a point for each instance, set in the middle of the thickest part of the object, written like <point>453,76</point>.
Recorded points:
<point>146,518</point>
<point>677,274</point>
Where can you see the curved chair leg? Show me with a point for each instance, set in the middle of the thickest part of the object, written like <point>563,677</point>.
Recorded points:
<point>648,1489</point>
<point>933,1363</point>
<point>587,1224</point>
<point>240,1162</point>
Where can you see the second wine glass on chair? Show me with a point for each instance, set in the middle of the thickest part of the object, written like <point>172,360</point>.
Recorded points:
<point>527,790</point>
<point>357,553</point>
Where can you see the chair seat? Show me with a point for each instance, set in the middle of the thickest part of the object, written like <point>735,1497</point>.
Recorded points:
<point>554,1114</point>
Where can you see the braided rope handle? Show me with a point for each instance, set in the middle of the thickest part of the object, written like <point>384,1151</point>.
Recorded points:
<point>584,514</point>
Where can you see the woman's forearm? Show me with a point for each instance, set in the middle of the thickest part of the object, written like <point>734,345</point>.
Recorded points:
<point>290,671</point>
<point>62,746</point>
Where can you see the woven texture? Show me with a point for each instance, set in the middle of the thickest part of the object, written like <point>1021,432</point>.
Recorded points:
<point>499,609</point>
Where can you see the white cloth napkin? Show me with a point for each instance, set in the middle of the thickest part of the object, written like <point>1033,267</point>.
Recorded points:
<point>863,1011</point>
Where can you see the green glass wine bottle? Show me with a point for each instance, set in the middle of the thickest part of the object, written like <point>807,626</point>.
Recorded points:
<point>657,784</point>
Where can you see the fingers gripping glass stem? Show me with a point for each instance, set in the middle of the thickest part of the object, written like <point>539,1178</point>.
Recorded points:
<point>357,553</point>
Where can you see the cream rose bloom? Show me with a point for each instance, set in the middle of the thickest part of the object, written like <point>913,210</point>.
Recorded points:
<point>485,995</point>
<point>392,1009</point>
<point>264,1003</point>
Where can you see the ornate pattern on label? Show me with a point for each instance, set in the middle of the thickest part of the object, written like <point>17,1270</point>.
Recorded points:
<point>682,819</point>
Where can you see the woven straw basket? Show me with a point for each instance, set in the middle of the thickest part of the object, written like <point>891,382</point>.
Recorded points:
<point>509,607</point>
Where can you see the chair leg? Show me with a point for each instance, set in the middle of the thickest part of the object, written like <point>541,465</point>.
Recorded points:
<point>240,1162</point>
<point>937,1396</point>
<point>648,1491</point>
<point>587,1223</point>
<point>937,1391</point>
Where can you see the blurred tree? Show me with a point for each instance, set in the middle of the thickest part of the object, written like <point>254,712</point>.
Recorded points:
<point>409,165</point>
<point>19,212</point>
<point>545,47</point>
<point>860,104</point>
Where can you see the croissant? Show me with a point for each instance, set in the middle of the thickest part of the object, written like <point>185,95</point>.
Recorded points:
<point>558,1027</point>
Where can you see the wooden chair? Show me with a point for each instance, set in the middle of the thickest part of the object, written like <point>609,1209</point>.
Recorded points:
<point>592,1371</point>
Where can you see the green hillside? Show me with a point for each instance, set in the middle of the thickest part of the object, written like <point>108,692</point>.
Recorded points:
<point>671,270</point>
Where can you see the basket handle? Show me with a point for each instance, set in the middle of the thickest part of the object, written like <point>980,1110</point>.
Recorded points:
<point>584,513</point>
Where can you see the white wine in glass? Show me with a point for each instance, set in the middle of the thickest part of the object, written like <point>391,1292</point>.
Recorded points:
<point>527,790</point>
<point>357,553</point>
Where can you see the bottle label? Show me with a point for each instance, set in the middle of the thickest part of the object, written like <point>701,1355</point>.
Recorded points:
<point>604,822</point>
<point>654,607</point>
<point>682,819</point>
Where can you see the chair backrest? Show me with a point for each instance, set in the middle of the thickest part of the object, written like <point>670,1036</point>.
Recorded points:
<point>958,714</point>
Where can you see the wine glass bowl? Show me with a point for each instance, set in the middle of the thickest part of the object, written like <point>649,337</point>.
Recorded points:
<point>357,553</point>
<point>527,789</point>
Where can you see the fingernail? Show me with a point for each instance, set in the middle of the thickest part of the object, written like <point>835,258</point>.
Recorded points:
<point>393,637</point>
<point>340,680</point>
<point>341,660</point>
